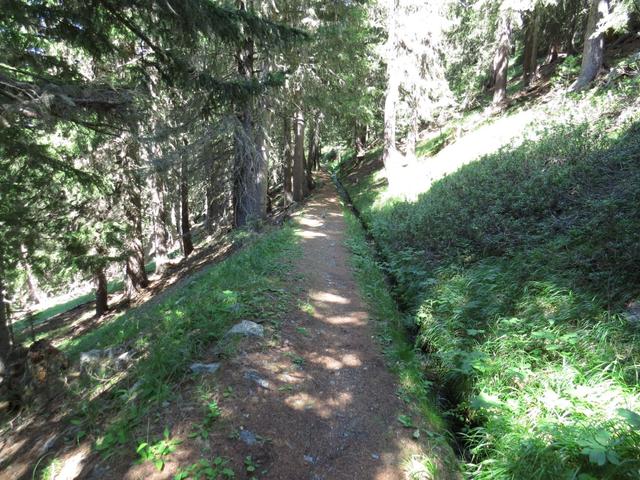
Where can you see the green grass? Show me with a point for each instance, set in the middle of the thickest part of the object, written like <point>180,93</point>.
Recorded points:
<point>432,146</point>
<point>42,316</point>
<point>248,285</point>
<point>516,270</point>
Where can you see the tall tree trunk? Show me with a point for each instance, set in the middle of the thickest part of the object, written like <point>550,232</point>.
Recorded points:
<point>263,143</point>
<point>501,59</point>
<point>298,157</point>
<point>287,164</point>
<point>390,156</point>
<point>412,131</point>
<point>250,175</point>
<point>135,273</point>
<point>102,294</point>
<point>208,204</point>
<point>530,56</point>
<point>5,340</point>
<point>311,155</point>
<point>185,226</point>
<point>593,50</point>
<point>36,295</point>
<point>160,219</point>
<point>360,133</point>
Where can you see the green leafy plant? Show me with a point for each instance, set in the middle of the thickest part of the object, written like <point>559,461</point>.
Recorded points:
<point>202,428</point>
<point>156,452</point>
<point>206,470</point>
<point>250,466</point>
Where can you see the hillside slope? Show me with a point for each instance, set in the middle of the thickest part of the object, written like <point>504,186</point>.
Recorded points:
<point>518,271</point>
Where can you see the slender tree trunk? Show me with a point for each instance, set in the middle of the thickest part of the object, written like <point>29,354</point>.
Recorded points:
<point>593,50</point>
<point>298,157</point>
<point>311,155</point>
<point>360,133</point>
<point>262,154</point>
<point>185,226</point>
<point>208,205</point>
<point>160,220</point>
<point>5,340</point>
<point>36,295</point>
<point>529,62</point>
<point>390,156</point>
<point>135,273</point>
<point>102,294</point>
<point>501,59</point>
<point>288,157</point>
<point>314,145</point>
<point>412,132</point>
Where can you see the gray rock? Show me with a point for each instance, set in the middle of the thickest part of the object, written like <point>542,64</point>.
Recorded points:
<point>247,329</point>
<point>257,379</point>
<point>310,459</point>
<point>48,444</point>
<point>204,367</point>
<point>248,437</point>
<point>114,358</point>
<point>633,313</point>
<point>375,456</point>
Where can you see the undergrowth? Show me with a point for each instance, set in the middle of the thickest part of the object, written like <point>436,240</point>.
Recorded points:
<point>517,270</point>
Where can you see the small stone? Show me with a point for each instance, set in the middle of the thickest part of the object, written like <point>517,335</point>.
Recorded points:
<point>248,437</point>
<point>136,386</point>
<point>114,358</point>
<point>48,445</point>
<point>247,328</point>
<point>92,356</point>
<point>257,379</point>
<point>633,313</point>
<point>375,456</point>
<point>310,459</point>
<point>204,367</point>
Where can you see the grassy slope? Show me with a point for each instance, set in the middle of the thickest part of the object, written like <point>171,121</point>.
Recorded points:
<point>170,335</point>
<point>517,269</point>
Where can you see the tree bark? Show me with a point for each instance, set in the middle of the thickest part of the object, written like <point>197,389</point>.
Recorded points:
<point>593,49</point>
<point>298,157</point>
<point>501,59</point>
<point>36,295</point>
<point>361,133</point>
<point>390,154</point>
<point>262,154</point>
<point>185,226</point>
<point>5,340</point>
<point>135,273</point>
<point>287,164</point>
<point>530,56</point>
<point>412,131</point>
<point>102,294</point>
<point>250,172</point>
<point>311,155</point>
<point>159,220</point>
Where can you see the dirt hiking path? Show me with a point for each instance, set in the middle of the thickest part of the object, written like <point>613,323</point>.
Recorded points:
<point>312,400</point>
<point>330,409</point>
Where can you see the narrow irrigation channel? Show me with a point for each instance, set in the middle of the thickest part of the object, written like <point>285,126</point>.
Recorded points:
<point>446,396</point>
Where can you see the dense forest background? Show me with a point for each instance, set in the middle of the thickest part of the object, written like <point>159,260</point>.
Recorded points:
<point>132,131</point>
